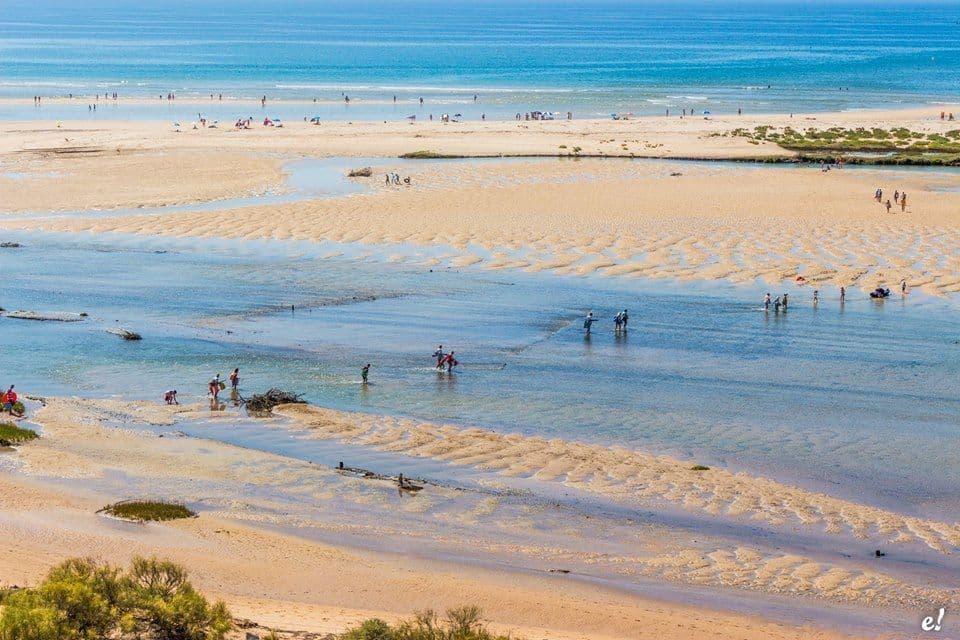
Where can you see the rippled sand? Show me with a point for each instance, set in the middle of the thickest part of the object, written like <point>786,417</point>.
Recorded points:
<point>256,541</point>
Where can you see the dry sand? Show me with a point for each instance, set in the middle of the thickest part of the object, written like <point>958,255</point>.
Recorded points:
<point>52,487</point>
<point>613,217</point>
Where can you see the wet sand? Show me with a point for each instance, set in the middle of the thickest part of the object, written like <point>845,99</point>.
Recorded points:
<point>264,515</point>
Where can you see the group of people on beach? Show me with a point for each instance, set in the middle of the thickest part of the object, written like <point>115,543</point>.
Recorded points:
<point>214,387</point>
<point>393,178</point>
<point>899,197</point>
<point>10,403</point>
<point>781,302</point>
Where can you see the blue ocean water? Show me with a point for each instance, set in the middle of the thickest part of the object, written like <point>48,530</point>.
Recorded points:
<point>591,56</point>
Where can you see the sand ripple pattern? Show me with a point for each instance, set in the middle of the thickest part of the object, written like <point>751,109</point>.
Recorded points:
<point>789,574</point>
<point>620,218</point>
<point>631,476</point>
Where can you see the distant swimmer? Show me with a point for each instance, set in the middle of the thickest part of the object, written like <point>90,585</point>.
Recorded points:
<point>588,322</point>
<point>364,372</point>
<point>439,355</point>
<point>170,397</point>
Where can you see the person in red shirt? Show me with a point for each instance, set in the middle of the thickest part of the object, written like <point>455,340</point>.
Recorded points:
<point>9,400</point>
<point>450,361</point>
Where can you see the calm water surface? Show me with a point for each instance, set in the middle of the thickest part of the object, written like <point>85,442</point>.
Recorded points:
<point>859,400</point>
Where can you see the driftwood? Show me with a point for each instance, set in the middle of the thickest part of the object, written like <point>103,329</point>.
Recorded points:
<point>403,484</point>
<point>125,334</point>
<point>263,403</point>
<point>363,172</point>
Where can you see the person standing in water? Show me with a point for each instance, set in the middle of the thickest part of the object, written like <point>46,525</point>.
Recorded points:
<point>617,323</point>
<point>450,361</point>
<point>766,302</point>
<point>588,322</point>
<point>776,305</point>
<point>215,386</point>
<point>816,297</point>
<point>623,320</point>
<point>785,301</point>
<point>439,355</point>
<point>364,372</point>
<point>843,294</point>
<point>903,287</point>
<point>235,379</point>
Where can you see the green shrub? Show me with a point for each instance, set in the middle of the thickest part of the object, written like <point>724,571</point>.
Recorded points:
<point>84,600</point>
<point>462,623</point>
<point>148,511</point>
<point>372,629</point>
<point>14,435</point>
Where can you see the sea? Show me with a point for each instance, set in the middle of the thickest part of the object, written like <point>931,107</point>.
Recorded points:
<point>493,58</point>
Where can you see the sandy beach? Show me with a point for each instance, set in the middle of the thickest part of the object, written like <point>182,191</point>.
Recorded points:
<point>273,572</point>
<point>577,216</point>
<point>296,545</point>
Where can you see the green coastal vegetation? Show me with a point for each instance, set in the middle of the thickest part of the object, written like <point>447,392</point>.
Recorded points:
<point>82,599</point>
<point>462,623</point>
<point>897,146</point>
<point>12,434</point>
<point>148,511</point>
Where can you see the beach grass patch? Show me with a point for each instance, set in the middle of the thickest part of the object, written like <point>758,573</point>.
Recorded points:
<point>424,154</point>
<point>13,434</point>
<point>148,511</point>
